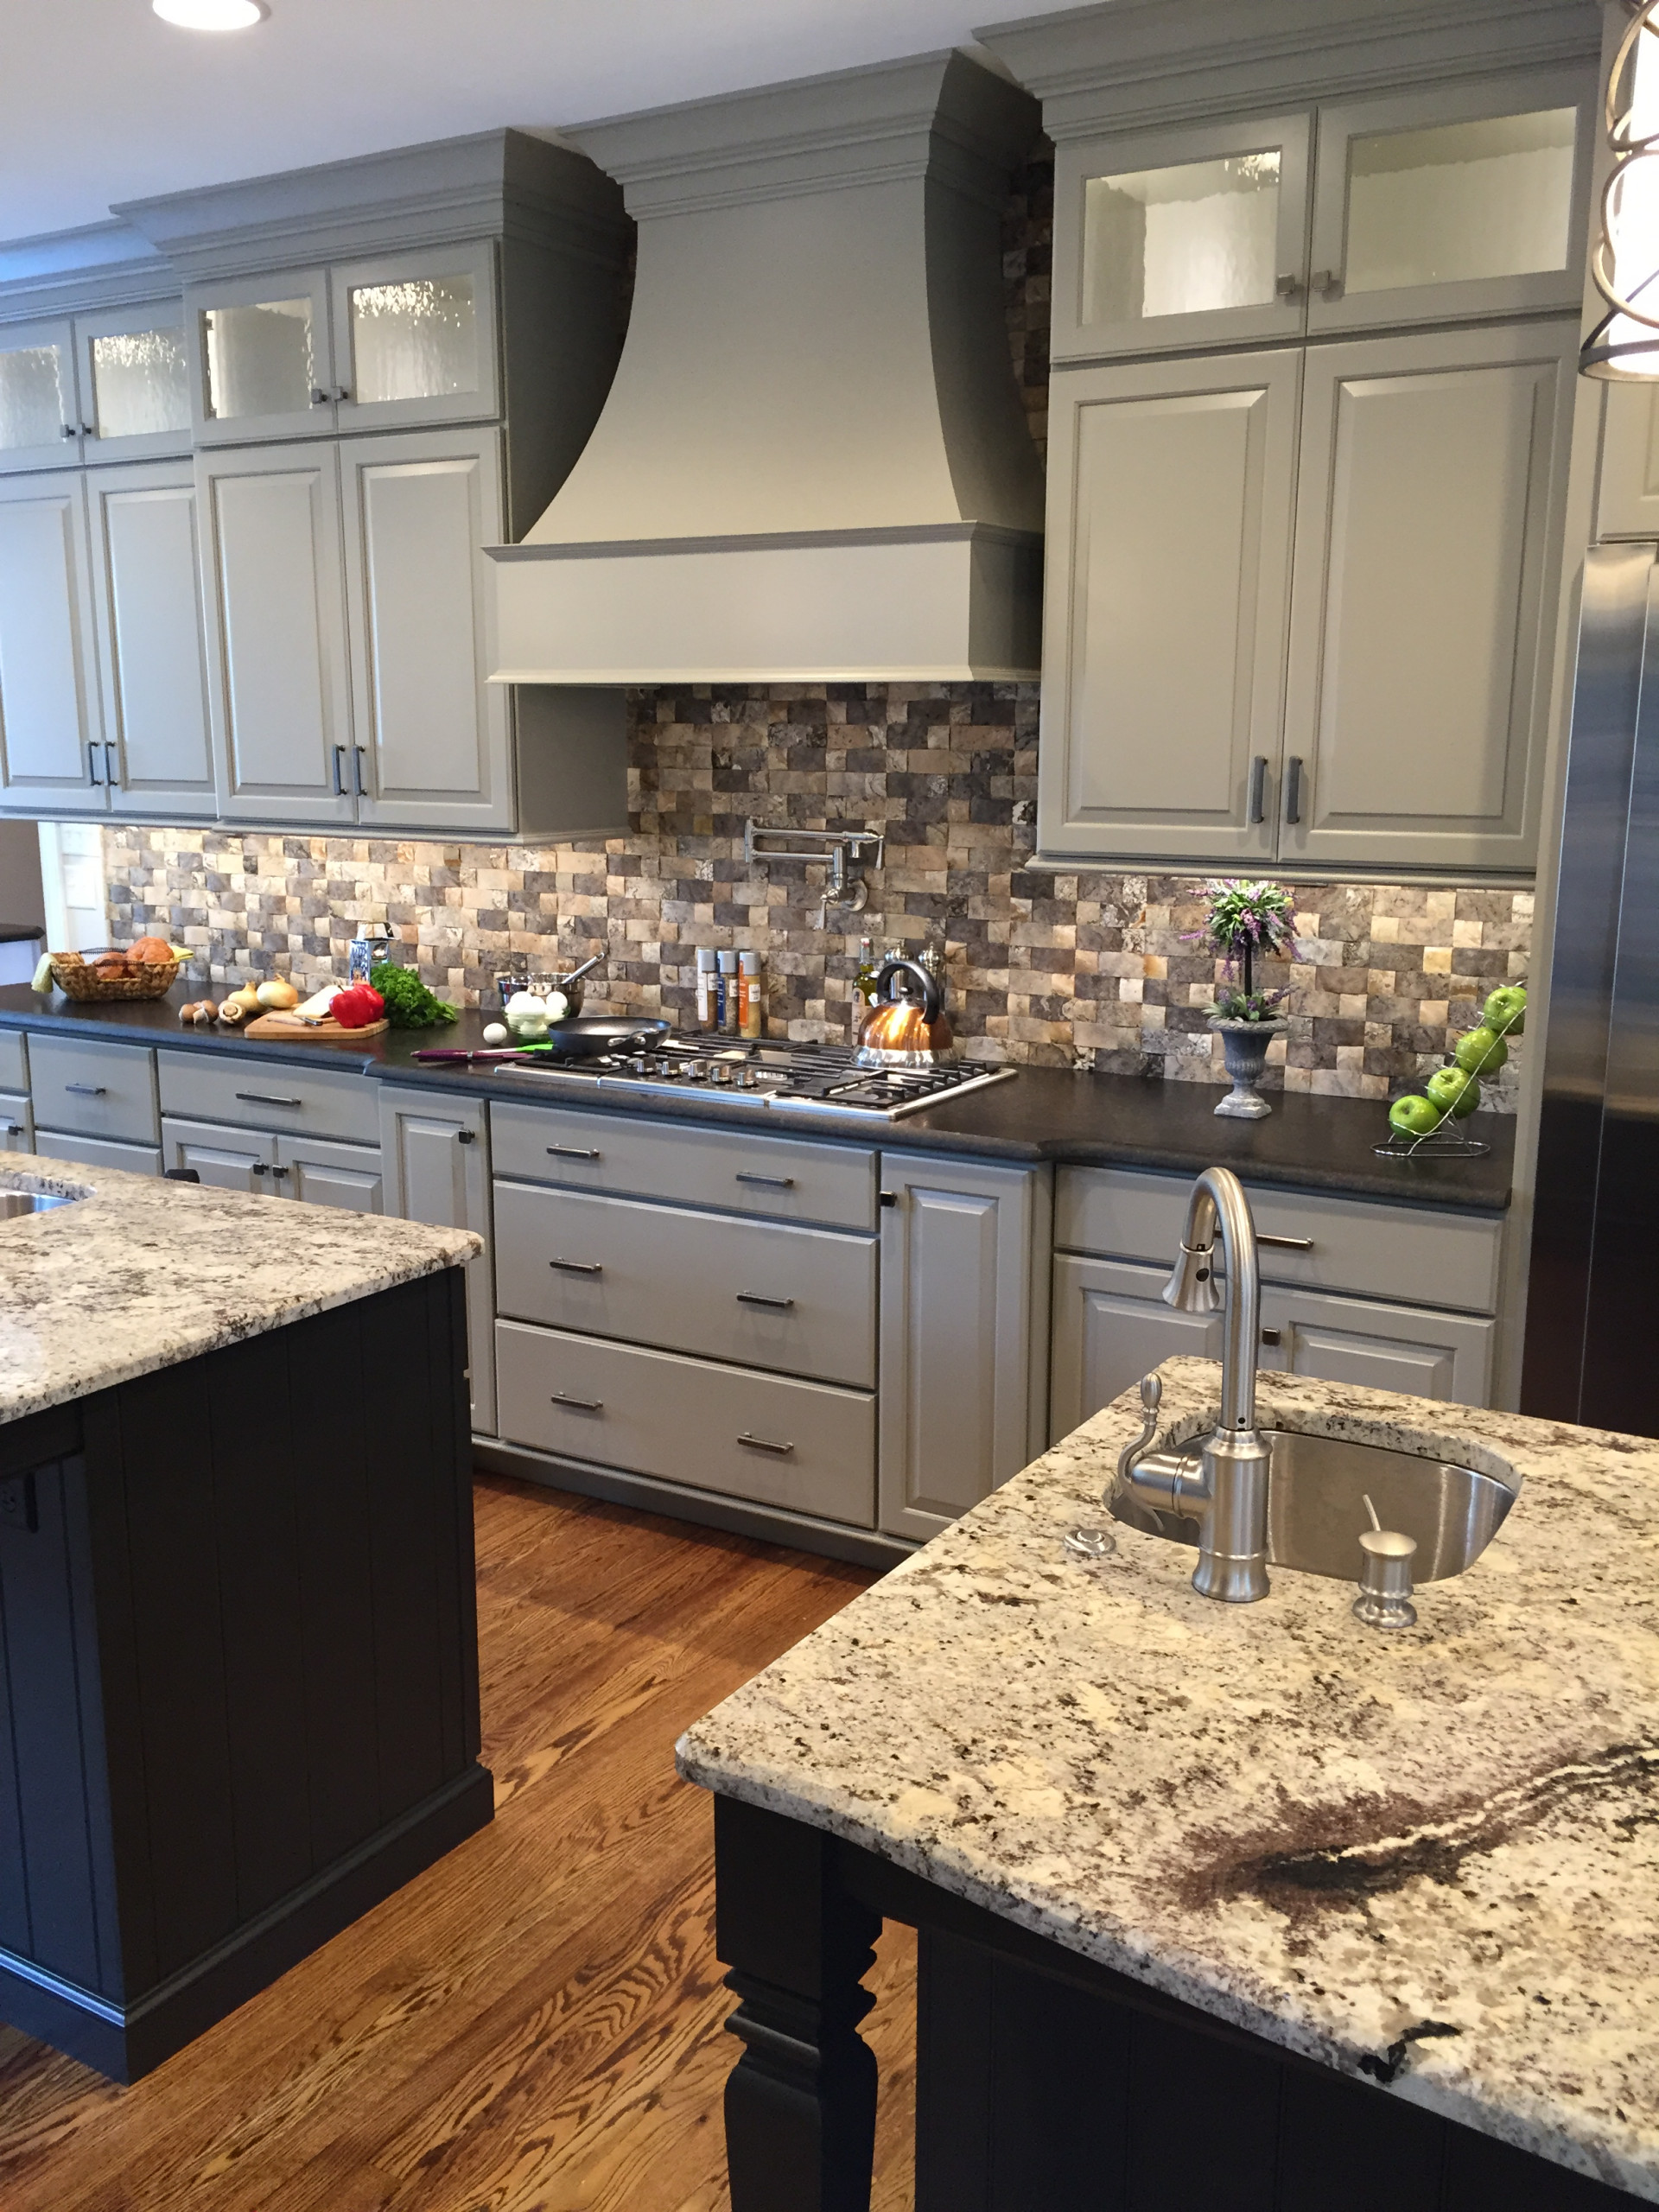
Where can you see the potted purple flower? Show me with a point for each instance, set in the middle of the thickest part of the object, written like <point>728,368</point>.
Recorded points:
<point>1246,923</point>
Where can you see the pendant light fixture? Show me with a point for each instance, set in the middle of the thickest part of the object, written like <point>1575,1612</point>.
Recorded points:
<point>211,15</point>
<point>1624,261</point>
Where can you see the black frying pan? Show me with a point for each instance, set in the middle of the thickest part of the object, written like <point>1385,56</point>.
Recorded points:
<point>589,1035</point>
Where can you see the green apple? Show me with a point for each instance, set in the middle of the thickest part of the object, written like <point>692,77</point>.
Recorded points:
<point>1454,1090</point>
<point>1481,1050</point>
<point>1414,1117</point>
<point>1505,1010</point>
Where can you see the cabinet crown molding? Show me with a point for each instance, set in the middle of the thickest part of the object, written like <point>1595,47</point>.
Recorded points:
<point>943,116</point>
<point>1132,62</point>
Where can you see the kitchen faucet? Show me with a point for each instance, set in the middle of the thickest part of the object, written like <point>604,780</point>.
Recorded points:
<point>1228,1494</point>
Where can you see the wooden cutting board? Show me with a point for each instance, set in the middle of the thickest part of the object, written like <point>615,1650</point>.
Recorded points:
<point>270,1026</point>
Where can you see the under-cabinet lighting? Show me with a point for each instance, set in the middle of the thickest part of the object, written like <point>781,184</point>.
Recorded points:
<point>1624,259</point>
<point>211,15</point>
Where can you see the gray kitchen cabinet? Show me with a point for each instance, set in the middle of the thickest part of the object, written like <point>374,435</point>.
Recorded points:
<point>14,1060</point>
<point>16,1124</point>
<point>157,741</point>
<point>99,1152</point>
<point>1371,1346</point>
<point>268,519</point>
<point>261,362</point>
<point>964,1318</point>
<point>323,1174</point>
<point>1429,518</point>
<point>84,1086</point>
<point>134,377</point>
<point>1110,1327</point>
<point>416,338</point>
<point>40,423</point>
<point>51,757</point>
<point>228,1159</point>
<point>1171,503</point>
<point>1627,490</point>
<point>436,1154</point>
<point>434,735</point>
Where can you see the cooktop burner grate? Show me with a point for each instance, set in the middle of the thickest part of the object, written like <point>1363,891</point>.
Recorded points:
<point>806,1079</point>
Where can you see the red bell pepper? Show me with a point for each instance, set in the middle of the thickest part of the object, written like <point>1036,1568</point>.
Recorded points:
<point>357,1007</point>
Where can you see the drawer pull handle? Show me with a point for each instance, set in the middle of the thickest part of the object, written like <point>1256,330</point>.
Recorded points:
<point>1286,1243</point>
<point>572,1152</point>
<point>580,1405</point>
<point>770,1182</point>
<point>758,1298</point>
<point>766,1443</point>
<point>464,1136</point>
<point>1272,1336</point>
<point>578,1267</point>
<point>266,1098</point>
<point>85,1090</point>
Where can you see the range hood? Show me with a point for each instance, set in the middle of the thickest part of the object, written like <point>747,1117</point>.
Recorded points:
<point>813,463</point>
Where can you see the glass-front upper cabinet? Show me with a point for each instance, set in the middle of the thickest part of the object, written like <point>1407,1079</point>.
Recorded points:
<point>135,383</point>
<point>1188,238</point>
<point>1451,201</point>
<point>415,338</point>
<point>261,365</point>
<point>40,423</point>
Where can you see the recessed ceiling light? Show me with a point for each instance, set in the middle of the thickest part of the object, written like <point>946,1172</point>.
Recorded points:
<point>211,15</point>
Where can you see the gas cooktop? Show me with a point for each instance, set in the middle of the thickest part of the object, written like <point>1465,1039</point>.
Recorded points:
<point>805,1079</point>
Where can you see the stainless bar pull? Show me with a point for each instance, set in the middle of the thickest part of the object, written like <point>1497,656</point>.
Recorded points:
<point>1256,810</point>
<point>757,1298</point>
<point>267,1098</point>
<point>85,1090</point>
<point>580,1405</point>
<point>1285,1243</point>
<point>771,1182</point>
<point>358,791</point>
<point>340,771</point>
<point>574,1151</point>
<point>112,764</point>
<point>1293,788</point>
<point>577,1267</point>
<point>93,776</point>
<point>766,1443</point>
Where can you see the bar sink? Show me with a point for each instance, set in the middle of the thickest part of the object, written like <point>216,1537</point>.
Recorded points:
<point>16,1202</point>
<point>1317,1488</point>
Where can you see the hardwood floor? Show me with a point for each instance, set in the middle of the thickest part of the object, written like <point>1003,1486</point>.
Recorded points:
<point>535,2024</point>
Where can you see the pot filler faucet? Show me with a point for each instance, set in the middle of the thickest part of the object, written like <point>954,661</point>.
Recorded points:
<point>1228,1496</point>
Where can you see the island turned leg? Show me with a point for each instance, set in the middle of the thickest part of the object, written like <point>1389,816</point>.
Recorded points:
<point>800,2102</point>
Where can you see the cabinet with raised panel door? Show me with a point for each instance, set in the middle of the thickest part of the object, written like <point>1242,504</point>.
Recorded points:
<point>435,1153</point>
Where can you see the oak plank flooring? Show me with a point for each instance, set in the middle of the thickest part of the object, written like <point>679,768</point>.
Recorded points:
<point>535,2024</point>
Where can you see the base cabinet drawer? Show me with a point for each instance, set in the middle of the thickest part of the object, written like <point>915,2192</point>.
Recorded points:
<point>735,1171</point>
<point>798,1445</point>
<point>1411,1254</point>
<point>799,1301</point>
<point>97,1152</point>
<point>16,1125</point>
<point>85,1087</point>
<point>271,1095</point>
<point>14,1060</point>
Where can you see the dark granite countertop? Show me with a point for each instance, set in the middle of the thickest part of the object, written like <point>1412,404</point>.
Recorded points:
<point>22,932</point>
<point>1320,1144</point>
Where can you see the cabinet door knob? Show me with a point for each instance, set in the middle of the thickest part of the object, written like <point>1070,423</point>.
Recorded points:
<point>319,397</point>
<point>1288,285</point>
<point>463,1136</point>
<point>1326,281</point>
<point>70,431</point>
<point>341,393</point>
<point>1272,1336</point>
<point>889,1197</point>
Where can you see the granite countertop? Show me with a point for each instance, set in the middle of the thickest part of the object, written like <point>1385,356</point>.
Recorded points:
<point>1045,1114</point>
<point>142,1273</point>
<point>1325,1834</point>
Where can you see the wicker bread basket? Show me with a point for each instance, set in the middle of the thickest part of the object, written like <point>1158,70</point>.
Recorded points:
<point>77,979</point>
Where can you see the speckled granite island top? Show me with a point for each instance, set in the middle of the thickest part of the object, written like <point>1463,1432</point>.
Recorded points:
<point>1329,1836</point>
<point>142,1273</point>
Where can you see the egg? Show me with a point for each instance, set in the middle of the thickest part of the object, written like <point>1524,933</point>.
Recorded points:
<point>557,1005</point>
<point>527,1002</point>
<point>495,1033</point>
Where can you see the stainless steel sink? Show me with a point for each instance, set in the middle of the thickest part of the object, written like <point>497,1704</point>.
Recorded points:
<point>1317,1488</point>
<point>14,1203</point>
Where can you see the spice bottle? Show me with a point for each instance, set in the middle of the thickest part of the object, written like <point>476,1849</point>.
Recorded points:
<point>749,995</point>
<point>706,987</point>
<point>728,993</point>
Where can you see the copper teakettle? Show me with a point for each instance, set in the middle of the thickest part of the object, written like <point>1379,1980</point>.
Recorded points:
<point>907,1031</point>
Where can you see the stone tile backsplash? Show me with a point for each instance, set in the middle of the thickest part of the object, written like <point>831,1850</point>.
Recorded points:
<point>1040,965</point>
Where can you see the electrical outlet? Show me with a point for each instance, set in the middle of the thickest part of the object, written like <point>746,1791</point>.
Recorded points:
<point>17,1505</point>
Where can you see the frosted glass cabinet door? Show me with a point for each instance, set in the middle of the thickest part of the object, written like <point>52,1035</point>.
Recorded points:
<point>415,338</point>
<point>51,758</point>
<point>1169,528</point>
<point>135,383</point>
<point>1188,238</point>
<point>419,510</point>
<point>1451,201</point>
<point>270,524</point>
<point>152,651</point>
<point>1429,500</point>
<point>261,359</point>
<point>39,422</point>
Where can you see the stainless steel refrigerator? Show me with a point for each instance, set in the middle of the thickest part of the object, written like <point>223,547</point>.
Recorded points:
<point>1592,1309</point>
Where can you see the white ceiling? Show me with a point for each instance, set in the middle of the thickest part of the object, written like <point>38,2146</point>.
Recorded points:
<point>100,101</point>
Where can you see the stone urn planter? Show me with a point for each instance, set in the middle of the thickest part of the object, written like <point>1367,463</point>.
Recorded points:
<point>1244,1045</point>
